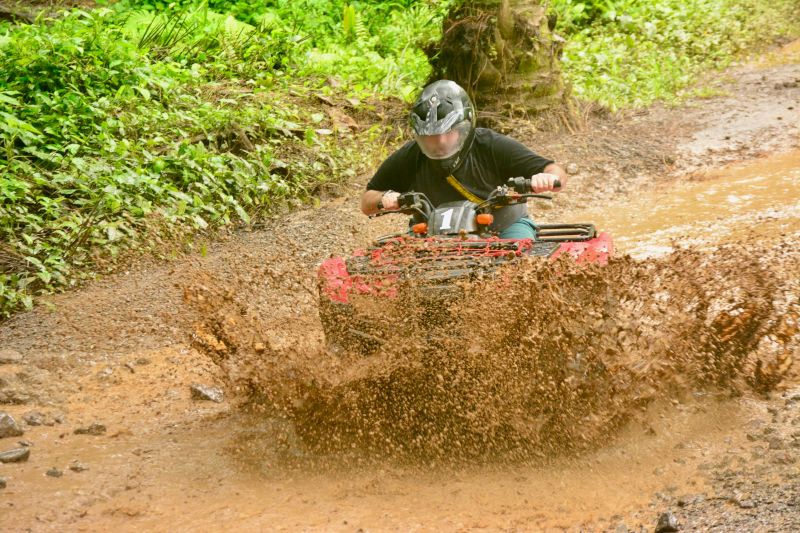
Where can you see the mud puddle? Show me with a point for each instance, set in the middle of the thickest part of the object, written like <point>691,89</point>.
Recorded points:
<point>702,334</point>
<point>218,481</point>
<point>745,202</point>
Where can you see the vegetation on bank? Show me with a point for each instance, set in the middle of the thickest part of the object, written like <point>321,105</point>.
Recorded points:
<point>146,120</point>
<point>625,53</point>
<point>123,127</point>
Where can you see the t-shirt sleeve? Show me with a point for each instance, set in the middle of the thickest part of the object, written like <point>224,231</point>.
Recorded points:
<point>396,172</point>
<point>514,159</point>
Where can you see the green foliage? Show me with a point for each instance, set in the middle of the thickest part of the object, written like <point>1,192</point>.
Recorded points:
<point>153,120</point>
<point>115,134</point>
<point>349,22</point>
<point>632,52</point>
<point>370,46</point>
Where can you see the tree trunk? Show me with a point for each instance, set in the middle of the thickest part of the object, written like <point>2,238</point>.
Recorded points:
<point>16,17</point>
<point>505,54</point>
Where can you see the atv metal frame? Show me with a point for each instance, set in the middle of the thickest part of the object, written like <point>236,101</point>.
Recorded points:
<point>439,254</point>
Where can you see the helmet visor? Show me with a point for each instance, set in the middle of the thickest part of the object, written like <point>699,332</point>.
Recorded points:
<point>444,145</point>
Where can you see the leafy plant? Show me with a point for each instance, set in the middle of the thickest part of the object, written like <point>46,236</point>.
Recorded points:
<point>632,52</point>
<point>113,139</point>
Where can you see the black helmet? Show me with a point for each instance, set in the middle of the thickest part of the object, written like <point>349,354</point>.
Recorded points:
<point>444,108</point>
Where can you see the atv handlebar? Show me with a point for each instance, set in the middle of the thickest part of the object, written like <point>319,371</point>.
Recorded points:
<point>412,203</point>
<point>515,191</point>
<point>523,185</point>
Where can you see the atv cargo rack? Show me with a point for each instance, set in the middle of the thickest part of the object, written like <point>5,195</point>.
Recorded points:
<point>565,232</point>
<point>436,259</point>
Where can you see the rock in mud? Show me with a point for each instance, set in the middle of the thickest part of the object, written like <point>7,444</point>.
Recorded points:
<point>17,455</point>
<point>15,397</point>
<point>54,472</point>
<point>77,466</point>
<point>8,426</point>
<point>93,429</point>
<point>10,357</point>
<point>667,523</point>
<point>746,504</point>
<point>106,373</point>
<point>775,443</point>
<point>204,392</point>
<point>35,418</point>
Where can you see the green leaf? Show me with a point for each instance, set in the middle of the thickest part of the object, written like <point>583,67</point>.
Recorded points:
<point>6,99</point>
<point>112,233</point>
<point>200,222</point>
<point>242,213</point>
<point>144,92</point>
<point>12,123</point>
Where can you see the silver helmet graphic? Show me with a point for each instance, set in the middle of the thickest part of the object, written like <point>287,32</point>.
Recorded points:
<point>443,121</point>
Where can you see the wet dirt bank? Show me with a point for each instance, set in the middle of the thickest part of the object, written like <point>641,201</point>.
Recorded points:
<point>117,353</point>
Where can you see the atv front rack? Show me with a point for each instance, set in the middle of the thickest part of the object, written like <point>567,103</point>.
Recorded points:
<point>436,260</point>
<point>565,232</point>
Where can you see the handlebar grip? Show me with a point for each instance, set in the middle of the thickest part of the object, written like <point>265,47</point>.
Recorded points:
<point>523,185</point>
<point>520,185</point>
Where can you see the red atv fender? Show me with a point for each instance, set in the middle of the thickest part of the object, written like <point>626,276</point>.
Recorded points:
<point>336,284</point>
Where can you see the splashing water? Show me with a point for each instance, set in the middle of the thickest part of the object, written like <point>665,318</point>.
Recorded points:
<point>543,359</point>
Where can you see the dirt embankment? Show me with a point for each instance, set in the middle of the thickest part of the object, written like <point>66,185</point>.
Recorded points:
<point>122,353</point>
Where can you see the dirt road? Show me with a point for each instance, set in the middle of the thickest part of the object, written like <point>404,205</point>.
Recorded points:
<point>99,379</point>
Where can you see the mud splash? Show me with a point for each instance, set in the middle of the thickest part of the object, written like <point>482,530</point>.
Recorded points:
<point>543,360</point>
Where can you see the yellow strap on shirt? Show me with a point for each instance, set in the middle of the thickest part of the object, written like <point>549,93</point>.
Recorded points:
<point>463,190</point>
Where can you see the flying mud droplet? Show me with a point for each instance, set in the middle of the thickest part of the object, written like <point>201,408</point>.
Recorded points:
<point>541,359</point>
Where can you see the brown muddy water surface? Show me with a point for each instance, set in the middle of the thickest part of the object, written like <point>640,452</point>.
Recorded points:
<point>167,465</point>
<point>757,199</point>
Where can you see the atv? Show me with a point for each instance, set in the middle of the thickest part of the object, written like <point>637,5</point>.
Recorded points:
<point>445,245</point>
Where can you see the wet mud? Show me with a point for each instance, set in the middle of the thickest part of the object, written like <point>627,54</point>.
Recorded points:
<point>545,359</point>
<point>552,397</point>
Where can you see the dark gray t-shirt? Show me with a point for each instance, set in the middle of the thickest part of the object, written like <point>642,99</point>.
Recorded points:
<point>492,160</point>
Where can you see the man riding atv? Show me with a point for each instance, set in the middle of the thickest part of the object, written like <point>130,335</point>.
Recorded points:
<point>450,160</point>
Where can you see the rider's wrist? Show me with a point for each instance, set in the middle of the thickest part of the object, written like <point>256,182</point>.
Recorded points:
<point>380,202</point>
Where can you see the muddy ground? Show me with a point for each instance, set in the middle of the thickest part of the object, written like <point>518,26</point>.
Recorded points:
<point>99,379</point>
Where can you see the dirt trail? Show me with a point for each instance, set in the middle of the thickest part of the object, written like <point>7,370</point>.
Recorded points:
<point>119,353</point>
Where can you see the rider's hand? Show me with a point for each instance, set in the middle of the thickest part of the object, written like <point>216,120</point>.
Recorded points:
<point>389,201</point>
<point>544,182</point>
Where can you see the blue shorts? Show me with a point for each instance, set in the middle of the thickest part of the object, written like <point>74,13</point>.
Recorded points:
<point>523,228</point>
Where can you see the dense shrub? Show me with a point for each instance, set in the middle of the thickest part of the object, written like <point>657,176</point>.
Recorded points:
<point>632,52</point>
<point>109,140</point>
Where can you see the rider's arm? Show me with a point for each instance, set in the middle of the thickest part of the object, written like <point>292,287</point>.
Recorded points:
<point>395,173</point>
<point>512,158</point>
<point>545,180</point>
<point>370,200</point>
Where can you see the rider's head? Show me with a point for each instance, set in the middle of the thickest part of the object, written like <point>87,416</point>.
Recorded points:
<point>443,122</point>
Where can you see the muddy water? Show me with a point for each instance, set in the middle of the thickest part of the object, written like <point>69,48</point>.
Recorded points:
<point>759,199</point>
<point>167,465</point>
<point>642,432</point>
